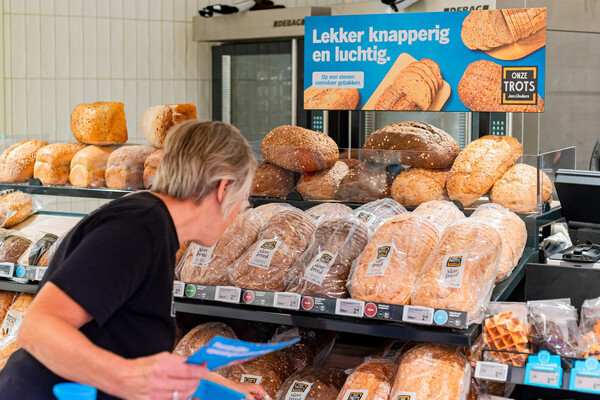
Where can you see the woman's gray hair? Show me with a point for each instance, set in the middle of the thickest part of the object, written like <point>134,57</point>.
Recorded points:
<point>198,155</point>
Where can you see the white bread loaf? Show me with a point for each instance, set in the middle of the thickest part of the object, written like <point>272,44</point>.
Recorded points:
<point>53,162</point>
<point>415,186</point>
<point>125,167</point>
<point>441,213</point>
<point>15,207</point>
<point>100,123</point>
<point>88,166</point>
<point>17,162</point>
<point>517,189</point>
<point>157,120</point>
<point>375,376</point>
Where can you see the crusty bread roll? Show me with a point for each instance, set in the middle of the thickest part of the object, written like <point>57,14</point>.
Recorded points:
<point>272,181</point>
<point>17,162</point>
<point>199,337</point>
<point>157,120</point>
<point>415,186</point>
<point>53,162</point>
<point>480,165</point>
<point>324,212</point>
<point>151,165</point>
<point>88,166</point>
<point>125,167</point>
<point>373,378</point>
<point>331,99</point>
<point>364,183</point>
<point>15,207</point>
<point>388,267</point>
<point>517,189</point>
<point>322,185</point>
<point>299,149</point>
<point>441,213</point>
<point>99,123</point>
<point>325,384</point>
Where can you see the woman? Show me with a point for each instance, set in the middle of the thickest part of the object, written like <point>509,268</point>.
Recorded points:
<point>103,315</point>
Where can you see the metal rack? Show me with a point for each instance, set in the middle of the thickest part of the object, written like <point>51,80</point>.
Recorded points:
<point>66,191</point>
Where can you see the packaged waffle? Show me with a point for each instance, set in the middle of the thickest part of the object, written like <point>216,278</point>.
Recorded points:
<point>209,265</point>
<point>441,213</point>
<point>327,211</point>
<point>313,384</point>
<point>371,380</point>
<point>388,267</point>
<point>433,372</point>
<point>323,269</point>
<point>461,269</point>
<point>36,250</point>
<point>506,328</point>
<point>375,213</point>
<point>266,211</point>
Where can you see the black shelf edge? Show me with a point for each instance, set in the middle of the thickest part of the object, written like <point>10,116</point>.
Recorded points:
<point>18,287</point>
<point>67,191</point>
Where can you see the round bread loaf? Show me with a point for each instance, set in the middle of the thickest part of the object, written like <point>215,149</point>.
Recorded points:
<point>324,212</point>
<point>331,99</point>
<point>157,120</point>
<point>415,186</point>
<point>299,149</point>
<point>479,166</point>
<point>325,384</point>
<point>18,161</point>
<point>322,185</point>
<point>99,123</point>
<point>517,189</point>
<point>125,167</point>
<point>272,181</point>
<point>88,166</point>
<point>375,376</point>
<point>53,162</point>
<point>440,212</point>
<point>151,165</point>
<point>364,183</point>
<point>15,207</point>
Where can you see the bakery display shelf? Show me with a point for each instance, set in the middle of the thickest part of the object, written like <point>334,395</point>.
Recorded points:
<point>297,201</point>
<point>67,191</point>
<point>18,287</point>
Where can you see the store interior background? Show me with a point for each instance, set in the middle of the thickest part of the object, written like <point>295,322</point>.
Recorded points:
<point>59,53</point>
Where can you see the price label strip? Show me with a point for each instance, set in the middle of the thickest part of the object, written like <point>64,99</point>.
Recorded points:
<point>178,288</point>
<point>544,370</point>
<point>7,270</point>
<point>418,315</point>
<point>491,371</point>
<point>289,301</point>
<point>585,376</point>
<point>228,294</point>
<point>350,308</point>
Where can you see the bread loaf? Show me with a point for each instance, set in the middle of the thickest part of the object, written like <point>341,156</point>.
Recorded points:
<point>299,149</point>
<point>157,120</point>
<point>513,232</point>
<point>517,189</point>
<point>181,251</point>
<point>209,266</point>
<point>364,183</point>
<point>47,257</point>
<point>6,300</point>
<point>372,379</point>
<point>53,162</point>
<point>480,165</point>
<point>17,162</point>
<point>388,267</point>
<point>272,181</point>
<point>461,269</point>
<point>266,263</point>
<point>269,371</point>
<point>15,207</point>
<point>8,337</point>
<point>314,346</point>
<point>324,212</point>
<point>322,185</point>
<point>323,268</point>
<point>200,336</point>
<point>267,211</point>
<point>331,99</point>
<point>151,165</point>
<point>12,248</point>
<point>313,384</point>
<point>441,213</point>
<point>125,167</point>
<point>99,123</point>
<point>433,372</point>
<point>422,145</point>
<point>415,186</point>
<point>34,252</point>
<point>375,213</point>
<point>88,166</point>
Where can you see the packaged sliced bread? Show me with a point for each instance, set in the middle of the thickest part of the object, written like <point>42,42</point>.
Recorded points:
<point>371,380</point>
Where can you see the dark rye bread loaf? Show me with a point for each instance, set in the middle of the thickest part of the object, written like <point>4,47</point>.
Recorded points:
<point>423,145</point>
<point>331,99</point>
<point>322,185</point>
<point>365,182</point>
<point>272,181</point>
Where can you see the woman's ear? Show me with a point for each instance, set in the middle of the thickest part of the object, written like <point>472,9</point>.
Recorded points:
<point>221,189</point>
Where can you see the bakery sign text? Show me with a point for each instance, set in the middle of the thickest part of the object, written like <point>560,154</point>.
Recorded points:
<point>288,22</point>
<point>519,85</point>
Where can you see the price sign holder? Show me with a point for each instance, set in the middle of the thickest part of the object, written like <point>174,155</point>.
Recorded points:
<point>544,370</point>
<point>585,376</point>
<point>491,371</point>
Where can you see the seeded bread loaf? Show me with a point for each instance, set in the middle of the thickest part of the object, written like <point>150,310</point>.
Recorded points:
<point>200,336</point>
<point>440,213</point>
<point>53,162</point>
<point>267,211</point>
<point>324,212</point>
<point>157,120</point>
<point>100,123</point>
<point>272,181</point>
<point>415,186</point>
<point>313,384</point>
<point>15,207</point>
<point>18,161</point>
<point>322,185</point>
<point>12,248</point>
<point>517,189</point>
<point>151,165</point>
<point>125,167</point>
<point>331,99</point>
<point>364,183</point>
<point>88,166</point>
<point>373,379</point>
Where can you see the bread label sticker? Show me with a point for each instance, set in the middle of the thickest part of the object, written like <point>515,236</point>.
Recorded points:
<point>453,268</point>
<point>405,396</point>
<point>202,256</point>
<point>11,323</point>
<point>319,267</point>
<point>365,216</point>
<point>352,394</point>
<point>383,256</point>
<point>247,378</point>
<point>263,254</point>
<point>298,391</point>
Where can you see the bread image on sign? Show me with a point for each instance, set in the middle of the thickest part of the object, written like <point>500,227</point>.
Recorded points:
<point>331,99</point>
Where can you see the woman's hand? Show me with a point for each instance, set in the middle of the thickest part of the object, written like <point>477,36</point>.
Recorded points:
<point>251,390</point>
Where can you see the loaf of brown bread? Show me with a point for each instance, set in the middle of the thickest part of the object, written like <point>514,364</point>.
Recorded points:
<point>157,120</point>
<point>373,379</point>
<point>12,248</point>
<point>125,167</point>
<point>17,161</point>
<point>388,267</point>
<point>272,181</point>
<point>415,186</point>
<point>422,145</point>
<point>267,211</point>
<point>99,123</point>
<point>313,384</point>
<point>53,162</point>
<point>88,166</point>
<point>200,336</point>
<point>517,190</point>
<point>269,371</point>
<point>36,250</point>
<point>324,212</point>
<point>364,183</point>
<point>331,99</point>
<point>151,165</point>
<point>6,300</point>
<point>8,339</point>
<point>15,207</point>
<point>480,165</point>
<point>299,149</point>
<point>45,259</point>
<point>322,185</point>
<point>441,213</point>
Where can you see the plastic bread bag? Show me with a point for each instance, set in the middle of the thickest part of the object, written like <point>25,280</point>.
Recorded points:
<point>313,384</point>
<point>16,206</point>
<point>387,269</point>
<point>327,211</point>
<point>589,325</point>
<point>36,250</point>
<point>6,300</point>
<point>208,265</point>
<point>12,248</point>
<point>266,263</point>
<point>371,380</point>
<point>506,328</point>
<point>365,182</point>
<point>267,211</point>
<point>461,269</point>
<point>269,371</point>
<point>10,327</point>
<point>323,269</point>
<point>440,212</point>
<point>513,232</point>
<point>47,257</point>
<point>433,372</point>
<point>394,350</point>
<point>375,213</point>
<point>312,349</point>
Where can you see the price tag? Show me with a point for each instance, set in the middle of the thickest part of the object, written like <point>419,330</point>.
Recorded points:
<point>178,288</point>
<point>417,315</point>
<point>546,378</point>
<point>350,308</point>
<point>228,294</point>
<point>290,301</point>
<point>587,383</point>
<point>491,371</point>
<point>7,270</point>
<point>40,272</point>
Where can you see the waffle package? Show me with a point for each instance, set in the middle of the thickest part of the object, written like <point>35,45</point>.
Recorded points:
<point>440,213</point>
<point>371,380</point>
<point>313,384</point>
<point>506,328</point>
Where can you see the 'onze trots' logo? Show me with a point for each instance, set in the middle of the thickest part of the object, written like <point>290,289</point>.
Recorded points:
<point>403,397</point>
<point>454,261</point>
<point>269,245</point>
<point>326,258</point>
<point>355,396</point>
<point>299,387</point>
<point>383,251</point>
<point>365,217</point>
<point>247,379</point>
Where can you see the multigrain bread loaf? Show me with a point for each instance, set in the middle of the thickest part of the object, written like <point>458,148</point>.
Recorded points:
<point>125,167</point>
<point>266,263</point>
<point>480,165</point>
<point>313,384</point>
<point>12,248</point>
<point>15,207</point>
<point>422,145</point>
<point>88,166</point>
<point>480,89</point>
<point>299,149</point>
<point>151,165</point>
<point>323,268</point>
<point>322,185</point>
<point>364,183</point>
<point>373,379</point>
<point>324,212</point>
<point>517,189</point>
<point>8,338</point>
<point>331,99</point>
<point>269,371</point>
<point>415,186</point>
<point>433,372</point>
<point>53,162</point>
<point>272,181</point>
<point>267,211</point>
<point>157,120</point>
<point>199,337</point>
<point>209,266</point>
<point>388,267</point>
<point>18,161</point>
<point>441,213</point>
<point>100,123</point>
<point>512,230</point>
